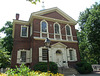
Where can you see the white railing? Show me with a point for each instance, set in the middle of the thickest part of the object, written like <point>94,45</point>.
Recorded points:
<point>96,67</point>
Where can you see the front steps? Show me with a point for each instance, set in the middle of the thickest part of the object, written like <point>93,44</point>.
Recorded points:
<point>67,71</point>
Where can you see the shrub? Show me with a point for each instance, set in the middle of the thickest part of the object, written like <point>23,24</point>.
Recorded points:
<point>23,70</point>
<point>84,67</point>
<point>42,66</point>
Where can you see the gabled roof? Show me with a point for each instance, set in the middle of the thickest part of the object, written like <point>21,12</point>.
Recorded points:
<point>59,44</point>
<point>67,17</point>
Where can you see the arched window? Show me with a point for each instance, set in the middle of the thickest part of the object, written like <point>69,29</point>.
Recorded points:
<point>57,32</point>
<point>69,36</point>
<point>44,26</point>
<point>56,29</point>
<point>44,29</point>
<point>58,52</point>
<point>68,30</point>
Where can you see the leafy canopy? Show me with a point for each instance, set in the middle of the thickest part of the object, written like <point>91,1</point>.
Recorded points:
<point>34,1</point>
<point>7,40</point>
<point>89,37</point>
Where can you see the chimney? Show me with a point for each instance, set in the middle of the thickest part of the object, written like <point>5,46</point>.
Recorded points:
<point>17,16</point>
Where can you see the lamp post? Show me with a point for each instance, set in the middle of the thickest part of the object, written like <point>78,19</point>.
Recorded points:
<point>47,44</point>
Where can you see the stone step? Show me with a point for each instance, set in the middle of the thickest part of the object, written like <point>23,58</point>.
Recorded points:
<point>67,71</point>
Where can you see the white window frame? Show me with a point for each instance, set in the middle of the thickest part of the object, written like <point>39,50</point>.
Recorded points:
<point>73,53</point>
<point>70,33</point>
<point>21,30</point>
<point>28,57</point>
<point>47,33</point>
<point>59,31</point>
<point>40,54</point>
<point>31,29</point>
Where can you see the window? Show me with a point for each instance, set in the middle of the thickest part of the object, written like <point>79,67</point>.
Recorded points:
<point>58,52</point>
<point>44,29</point>
<point>44,54</point>
<point>24,31</point>
<point>71,54</point>
<point>23,56</point>
<point>56,29</point>
<point>68,30</point>
<point>57,33</point>
<point>68,33</point>
<point>44,26</point>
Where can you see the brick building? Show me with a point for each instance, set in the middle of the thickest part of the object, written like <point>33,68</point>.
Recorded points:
<point>29,37</point>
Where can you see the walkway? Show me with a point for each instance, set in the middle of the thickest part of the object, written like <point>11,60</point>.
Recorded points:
<point>93,74</point>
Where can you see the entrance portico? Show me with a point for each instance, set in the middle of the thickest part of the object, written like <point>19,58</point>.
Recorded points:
<point>59,54</point>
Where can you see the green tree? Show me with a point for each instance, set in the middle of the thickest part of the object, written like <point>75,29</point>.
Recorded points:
<point>34,1</point>
<point>89,22</point>
<point>7,41</point>
<point>4,57</point>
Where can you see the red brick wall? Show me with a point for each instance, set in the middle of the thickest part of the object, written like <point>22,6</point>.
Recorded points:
<point>19,43</point>
<point>40,43</point>
<point>55,15</point>
<point>27,43</point>
<point>36,29</point>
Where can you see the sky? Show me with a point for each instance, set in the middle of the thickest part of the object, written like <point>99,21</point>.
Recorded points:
<point>9,8</point>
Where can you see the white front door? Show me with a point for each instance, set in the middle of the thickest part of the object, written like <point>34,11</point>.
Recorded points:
<point>59,58</point>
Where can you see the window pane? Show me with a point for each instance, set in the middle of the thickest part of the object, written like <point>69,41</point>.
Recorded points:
<point>44,54</point>
<point>24,31</point>
<point>23,56</point>
<point>71,54</point>
<point>68,30</point>
<point>57,28</point>
<point>44,27</point>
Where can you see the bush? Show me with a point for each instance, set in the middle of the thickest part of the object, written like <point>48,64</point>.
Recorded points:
<point>23,70</point>
<point>84,67</point>
<point>42,66</point>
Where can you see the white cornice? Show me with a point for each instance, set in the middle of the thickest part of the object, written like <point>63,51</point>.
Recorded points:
<point>18,22</point>
<point>21,22</point>
<point>53,19</point>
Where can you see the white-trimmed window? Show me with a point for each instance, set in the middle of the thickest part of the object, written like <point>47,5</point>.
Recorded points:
<point>31,29</point>
<point>24,31</point>
<point>24,56</point>
<point>72,55</point>
<point>68,33</point>
<point>44,54</point>
<point>57,32</point>
<point>57,29</point>
<point>44,29</point>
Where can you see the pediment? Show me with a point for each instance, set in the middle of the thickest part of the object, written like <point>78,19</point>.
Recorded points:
<point>59,45</point>
<point>55,13</point>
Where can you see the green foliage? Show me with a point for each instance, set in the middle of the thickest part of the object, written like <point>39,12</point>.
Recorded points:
<point>84,67</point>
<point>4,57</point>
<point>22,71</point>
<point>89,36</point>
<point>34,1</point>
<point>7,41</point>
<point>42,66</point>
